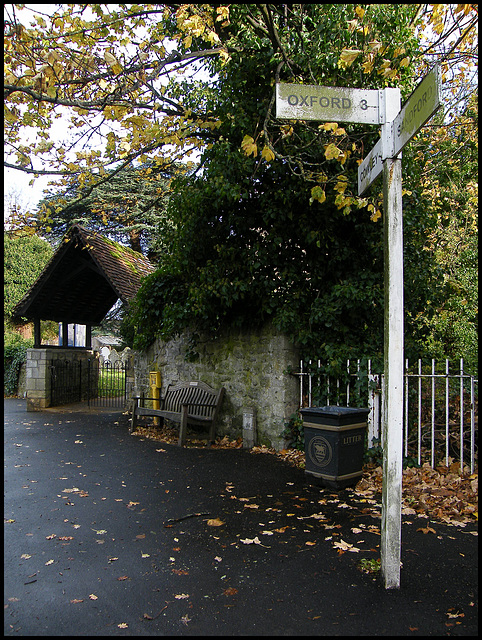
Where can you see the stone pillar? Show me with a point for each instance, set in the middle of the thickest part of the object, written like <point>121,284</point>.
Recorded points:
<point>37,382</point>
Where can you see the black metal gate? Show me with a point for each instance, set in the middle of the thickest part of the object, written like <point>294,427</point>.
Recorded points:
<point>100,384</point>
<point>107,384</point>
<point>66,382</point>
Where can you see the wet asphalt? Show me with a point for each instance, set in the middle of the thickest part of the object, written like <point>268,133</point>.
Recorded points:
<point>97,542</point>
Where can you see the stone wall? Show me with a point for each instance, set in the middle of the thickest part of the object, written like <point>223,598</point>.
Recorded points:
<point>251,366</point>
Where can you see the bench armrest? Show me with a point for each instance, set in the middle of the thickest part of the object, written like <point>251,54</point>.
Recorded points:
<point>137,400</point>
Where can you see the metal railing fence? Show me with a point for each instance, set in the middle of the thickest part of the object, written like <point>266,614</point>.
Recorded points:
<point>440,405</point>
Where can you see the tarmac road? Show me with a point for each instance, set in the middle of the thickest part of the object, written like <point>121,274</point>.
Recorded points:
<point>89,549</point>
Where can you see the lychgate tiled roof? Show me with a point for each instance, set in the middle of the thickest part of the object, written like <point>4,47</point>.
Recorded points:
<point>85,277</point>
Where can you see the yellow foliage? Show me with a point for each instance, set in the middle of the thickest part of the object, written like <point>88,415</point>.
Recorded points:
<point>249,146</point>
<point>332,152</point>
<point>329,126</point>
<point>318,194</point>
<point>267,154</point>
<point>348,57</point>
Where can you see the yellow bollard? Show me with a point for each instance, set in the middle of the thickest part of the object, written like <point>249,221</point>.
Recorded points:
<point>155,385</point>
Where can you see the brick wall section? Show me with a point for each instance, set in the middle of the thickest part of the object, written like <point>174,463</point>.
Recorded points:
<point>251,366</point>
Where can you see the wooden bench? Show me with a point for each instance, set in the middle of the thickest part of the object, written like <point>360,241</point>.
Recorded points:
<point>194,403</point>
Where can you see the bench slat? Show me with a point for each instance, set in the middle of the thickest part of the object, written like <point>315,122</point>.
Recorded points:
<point>202,402</point>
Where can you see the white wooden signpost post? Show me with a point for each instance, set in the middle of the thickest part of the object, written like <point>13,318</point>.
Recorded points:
<point>304,102</point>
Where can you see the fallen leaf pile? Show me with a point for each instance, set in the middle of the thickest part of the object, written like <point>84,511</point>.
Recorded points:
<point>171,436</point>
<point>445,493</point>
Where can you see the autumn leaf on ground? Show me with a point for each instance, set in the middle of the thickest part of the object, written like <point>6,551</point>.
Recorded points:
<point>120,578</point>
<point>92,596</point>
<point>455,615</point>
<point>426,530</point>
<point>345,546</point>
<point>215,522</point>
<point>123,625</point>
<point>180,572</point>
<point>49,562</point>
<point>25,556</point>
<point>255,540</point>
<point>51,537</point>
<point>181,596</point>
<point>75,601</point>
<point>230,591</point>
<point>318,516</point>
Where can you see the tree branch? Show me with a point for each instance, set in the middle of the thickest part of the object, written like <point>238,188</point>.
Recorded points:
<point>41,172</point>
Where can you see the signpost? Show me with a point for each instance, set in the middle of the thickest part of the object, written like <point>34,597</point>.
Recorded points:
<point>370,168</point>
<point>308,102</point>
<point>398,127</point>
<point>420,106</point>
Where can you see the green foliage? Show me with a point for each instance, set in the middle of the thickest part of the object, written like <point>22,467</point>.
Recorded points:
<point>374,454</point>
<point>369,565</point>
<point>248,251</point>
<point>294,432</point>
<point>24,259</point>
<point>249,244</point>
<point>441,239</point>
<point>269,227</point>
<point>159,310</point>
<point>130,207</point>
<point>14,355</point>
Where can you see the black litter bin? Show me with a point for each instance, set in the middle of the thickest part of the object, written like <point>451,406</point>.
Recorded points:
<point>334,444</point>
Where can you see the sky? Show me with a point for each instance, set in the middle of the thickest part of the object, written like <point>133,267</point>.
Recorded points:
<point>18,180</point>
